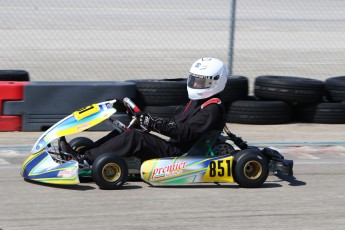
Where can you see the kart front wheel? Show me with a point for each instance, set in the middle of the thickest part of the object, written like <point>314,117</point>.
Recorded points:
<point>81,144</point>
<point>109,171</point>
<point>250,168</point>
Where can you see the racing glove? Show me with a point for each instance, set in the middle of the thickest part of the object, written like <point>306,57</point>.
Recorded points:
<point>147,120</point>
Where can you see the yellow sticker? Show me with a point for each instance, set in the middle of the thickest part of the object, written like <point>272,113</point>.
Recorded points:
<point>87,111</point>
<point>219,171</point>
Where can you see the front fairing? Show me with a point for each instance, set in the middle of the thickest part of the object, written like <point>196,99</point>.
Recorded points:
<point>41,167</point>
<point>76,122</point>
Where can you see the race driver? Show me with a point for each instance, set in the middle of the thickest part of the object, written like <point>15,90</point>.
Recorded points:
<point>204,112</point>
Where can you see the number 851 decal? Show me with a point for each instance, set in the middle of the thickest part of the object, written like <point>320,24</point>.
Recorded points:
<point>219,170</point>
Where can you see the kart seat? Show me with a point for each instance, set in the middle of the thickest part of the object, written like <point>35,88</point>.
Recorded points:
<point>203,146</point>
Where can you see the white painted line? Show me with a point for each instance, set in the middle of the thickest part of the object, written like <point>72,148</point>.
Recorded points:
<point>319,163</point>
<point>11,166</point>
<point>342,154</point>
<point>299,155</point>
<point>9,153</point>
<point>4,162</point>
<point>308,156</point>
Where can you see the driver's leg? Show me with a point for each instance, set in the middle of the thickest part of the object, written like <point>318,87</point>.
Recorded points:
<point>134,143</point>
<point>107,137</point>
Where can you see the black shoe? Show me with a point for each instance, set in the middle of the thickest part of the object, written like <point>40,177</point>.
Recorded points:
<point>68,152</point>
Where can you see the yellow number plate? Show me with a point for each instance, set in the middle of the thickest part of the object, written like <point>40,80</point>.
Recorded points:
<point>219,171</point>
<point>87,111</point>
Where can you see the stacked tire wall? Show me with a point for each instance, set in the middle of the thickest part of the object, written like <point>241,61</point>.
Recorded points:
<point>276,99</point>
<point>285,99</point>
<point>36,106</point>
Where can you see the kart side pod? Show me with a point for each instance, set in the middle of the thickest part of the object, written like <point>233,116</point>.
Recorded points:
<point>186,170</point>
<point>248,168</point>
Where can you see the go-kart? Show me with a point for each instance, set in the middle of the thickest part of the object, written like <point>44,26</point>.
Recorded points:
<point>211,160</point>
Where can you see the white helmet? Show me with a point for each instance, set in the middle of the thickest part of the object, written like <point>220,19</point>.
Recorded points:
<point>207,77</point>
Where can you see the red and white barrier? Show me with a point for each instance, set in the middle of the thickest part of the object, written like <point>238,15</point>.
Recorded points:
<point>11,91</point>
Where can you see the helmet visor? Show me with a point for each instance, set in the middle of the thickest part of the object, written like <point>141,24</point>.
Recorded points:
<point>199,82</point>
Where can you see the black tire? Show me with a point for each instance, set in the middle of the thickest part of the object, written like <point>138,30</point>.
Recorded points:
<point>109,171</point>
<point>14,75</point>
<point>250,168</point>
<point>259,112</point>
<point>81,144</point>
<point>222,148</point>
<point>290,89</point>
<point>162,111</point>
<point>326,113</point>
<point>165,92</point>
<point>236,89</point>
<point>335,87</point>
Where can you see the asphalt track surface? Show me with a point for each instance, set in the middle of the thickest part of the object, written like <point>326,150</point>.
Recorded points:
<point>313,199</point>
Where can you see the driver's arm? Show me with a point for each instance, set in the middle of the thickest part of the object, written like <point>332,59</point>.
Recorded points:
<point>206,119</point>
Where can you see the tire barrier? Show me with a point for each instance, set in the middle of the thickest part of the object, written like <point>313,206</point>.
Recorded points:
<point>37,122</point>
<point>10,91</point>
<point>169,92</point>
<point>236,89</point>
<point>35,106</point>
<point>14,75</point>
<point>45,103</point>
<point>259,112</point>
<point>327,113</point>
<point>161,92</point>
<point>335,87</point>
<point>289,89</point>
<point>162,111</point>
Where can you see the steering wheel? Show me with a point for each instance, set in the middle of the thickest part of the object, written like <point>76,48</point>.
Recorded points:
<point>134,110</point>
<point>131,107</point>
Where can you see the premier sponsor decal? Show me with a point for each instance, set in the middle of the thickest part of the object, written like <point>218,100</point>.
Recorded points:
<point>169,170</point>
<point>83,126</point>
<point>65,173</point>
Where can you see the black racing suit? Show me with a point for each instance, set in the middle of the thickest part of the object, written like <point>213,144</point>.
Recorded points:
<point>184,129</point>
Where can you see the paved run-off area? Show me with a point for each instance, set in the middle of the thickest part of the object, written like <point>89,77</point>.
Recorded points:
<point>313,199</point>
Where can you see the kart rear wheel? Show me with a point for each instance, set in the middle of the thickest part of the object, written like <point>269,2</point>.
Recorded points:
<point>81,144</point>
<point>109,171</point>
<point>250,169</point>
